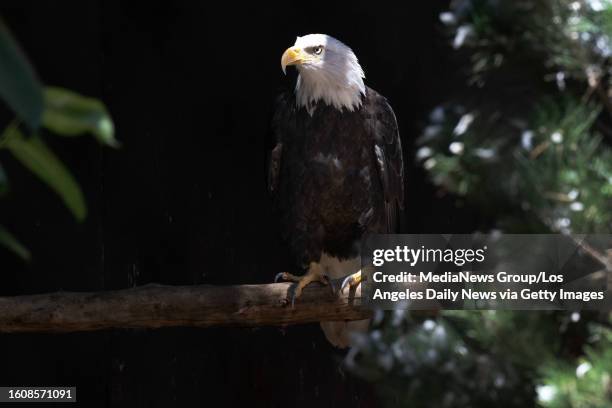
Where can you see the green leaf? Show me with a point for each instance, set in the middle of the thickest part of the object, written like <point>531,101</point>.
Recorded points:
<point>8,241</point>
<point>3,181</point>
<point>34,154</point>
<point>19,86</point>
<point>70,114</point>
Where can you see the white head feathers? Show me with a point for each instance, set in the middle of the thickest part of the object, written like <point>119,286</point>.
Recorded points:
<point>328,72</point>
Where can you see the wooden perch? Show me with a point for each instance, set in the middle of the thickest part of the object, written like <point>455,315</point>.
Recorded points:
<point>154,306</point>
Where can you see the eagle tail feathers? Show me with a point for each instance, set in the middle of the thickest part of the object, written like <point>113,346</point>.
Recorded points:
<point>339,333</point>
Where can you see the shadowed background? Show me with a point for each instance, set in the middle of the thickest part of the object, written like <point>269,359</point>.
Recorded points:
<point>191,86</point>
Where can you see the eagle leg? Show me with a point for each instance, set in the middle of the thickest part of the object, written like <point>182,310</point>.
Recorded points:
<point>352,281</point>
<point>315,274</point>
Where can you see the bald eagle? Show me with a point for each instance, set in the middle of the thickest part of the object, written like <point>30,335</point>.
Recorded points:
<point>336,171</point>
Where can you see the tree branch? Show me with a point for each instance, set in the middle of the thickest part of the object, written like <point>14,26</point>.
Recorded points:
<point>154,306</point>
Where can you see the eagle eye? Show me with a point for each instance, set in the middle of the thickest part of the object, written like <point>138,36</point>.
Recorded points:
<point>317,50</point>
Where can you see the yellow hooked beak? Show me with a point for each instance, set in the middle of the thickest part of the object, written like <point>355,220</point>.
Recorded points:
<point>293,56</point>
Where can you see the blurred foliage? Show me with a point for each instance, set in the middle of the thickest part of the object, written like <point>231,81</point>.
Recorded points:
<point>585,383</point>
<point>34,154</point>
<point>554,171</point>
<point>525,140</point>
<point>19,85</point>
<point>70,114</point>
<point>9,241</point>
<point>63,112</point>
<point>459,359</point>
<point>530,137</point>
<point>484,359</point>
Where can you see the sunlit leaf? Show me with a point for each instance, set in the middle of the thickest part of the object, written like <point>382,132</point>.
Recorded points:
<point>19,86</point>
<point>70,114</point>
<point>11,243</point>
<point>34,154</point>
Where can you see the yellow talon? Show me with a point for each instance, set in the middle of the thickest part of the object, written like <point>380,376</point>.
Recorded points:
<point>315,274</point>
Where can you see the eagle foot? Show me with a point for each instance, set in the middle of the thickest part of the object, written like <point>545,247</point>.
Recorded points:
<point>351,281</point>
<point>314,274</point>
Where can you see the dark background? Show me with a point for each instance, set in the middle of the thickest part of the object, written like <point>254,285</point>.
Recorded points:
<point>190,86</point>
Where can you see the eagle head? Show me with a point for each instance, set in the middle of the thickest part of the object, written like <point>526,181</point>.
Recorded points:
<point>328,71</point>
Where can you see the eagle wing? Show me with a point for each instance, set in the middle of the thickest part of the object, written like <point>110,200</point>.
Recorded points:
<point>387,149</point>
<point>279,121</point>
<point>389,161</point>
